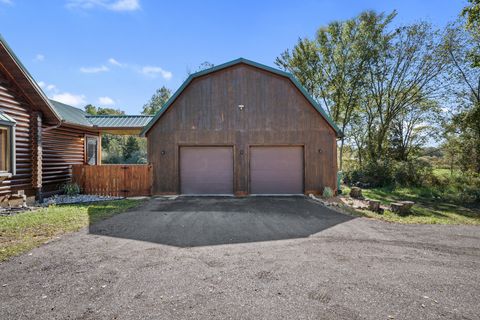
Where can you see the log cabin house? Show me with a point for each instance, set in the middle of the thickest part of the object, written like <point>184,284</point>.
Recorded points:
<point>41,139</point>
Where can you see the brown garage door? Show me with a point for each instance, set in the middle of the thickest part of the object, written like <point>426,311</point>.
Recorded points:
<point>206,170</point>
<point>276,170</point>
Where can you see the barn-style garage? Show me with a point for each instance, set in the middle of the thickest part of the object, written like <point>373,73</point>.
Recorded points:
<point>242,128</point>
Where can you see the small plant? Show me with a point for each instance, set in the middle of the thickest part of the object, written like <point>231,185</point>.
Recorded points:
<point>327,192</point>
<point>71,189</point>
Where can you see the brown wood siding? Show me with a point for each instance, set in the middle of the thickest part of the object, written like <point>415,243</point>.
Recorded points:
<point>62,148</point>
<point>275,113</point>
<point>126,180</point>
<point>13,104</point>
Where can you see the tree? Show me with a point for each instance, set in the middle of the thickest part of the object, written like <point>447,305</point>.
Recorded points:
<point>131,146</point>
<point>332,67</point>
<point>159,98</point>
<point>472,24</point>
<point>411,130</point>
<point>99,111</point>
<point>464,87</point>
<point>203,66</point>
<point>402,76</point>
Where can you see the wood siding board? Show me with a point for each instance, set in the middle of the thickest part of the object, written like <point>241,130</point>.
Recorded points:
<point>275,113</point>
<point>14,104</point>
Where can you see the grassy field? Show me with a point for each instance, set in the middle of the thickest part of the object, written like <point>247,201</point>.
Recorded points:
<point>426,210</point>
<point>24,231</point>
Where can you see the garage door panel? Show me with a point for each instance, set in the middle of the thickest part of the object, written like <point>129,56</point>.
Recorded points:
<point>276,170</point>
<point>206,170</point>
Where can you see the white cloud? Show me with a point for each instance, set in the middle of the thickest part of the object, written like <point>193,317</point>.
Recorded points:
<point>47,87</point>
<point>113,5</point>
<point>9,2</point>
<point>155,71</point>
<point>106,101</point>
<point>94,69</point>
<point>39,57</point>
<point>114,62</point>
<point>75,100</point>
<point>125,5</point>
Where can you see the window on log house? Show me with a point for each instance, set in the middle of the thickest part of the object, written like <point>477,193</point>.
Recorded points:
<point>92,150</point>
<point>7,145</point>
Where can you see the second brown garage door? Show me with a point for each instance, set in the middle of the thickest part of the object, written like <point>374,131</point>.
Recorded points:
<point>276,170</point>
<point>206,170</point>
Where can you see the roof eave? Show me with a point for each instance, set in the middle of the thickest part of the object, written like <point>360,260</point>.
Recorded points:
<point>29,78</point>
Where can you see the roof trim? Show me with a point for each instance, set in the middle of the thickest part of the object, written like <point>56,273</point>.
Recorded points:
<point>250,63</point>
<point>29,78</point>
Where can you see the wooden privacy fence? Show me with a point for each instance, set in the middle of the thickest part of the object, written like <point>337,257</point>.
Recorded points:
<point>125,180</point>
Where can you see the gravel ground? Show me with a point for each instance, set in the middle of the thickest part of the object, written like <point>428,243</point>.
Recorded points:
<point>80,198</point>
<point>279,258</point>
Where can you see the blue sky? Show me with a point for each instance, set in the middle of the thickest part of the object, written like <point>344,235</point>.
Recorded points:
<point>118,52</point>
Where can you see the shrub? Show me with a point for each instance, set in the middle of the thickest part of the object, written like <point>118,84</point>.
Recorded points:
<point>327,192</point>
<point>375,174</point>
<point>412,173</point>
<point>71,189</point>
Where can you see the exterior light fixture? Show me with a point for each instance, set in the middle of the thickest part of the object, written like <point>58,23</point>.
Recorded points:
<point>241,106</point>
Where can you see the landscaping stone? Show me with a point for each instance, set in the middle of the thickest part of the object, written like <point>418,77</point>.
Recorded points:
<point>408,205</point>
<point>402,208</point>
<point>356,193</point>
<point>374,205</point>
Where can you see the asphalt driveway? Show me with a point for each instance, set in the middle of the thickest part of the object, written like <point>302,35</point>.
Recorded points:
<point>251,258</point>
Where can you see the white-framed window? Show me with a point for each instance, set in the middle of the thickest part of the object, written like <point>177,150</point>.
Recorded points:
<point>7,145</point>
<point>91,150</point>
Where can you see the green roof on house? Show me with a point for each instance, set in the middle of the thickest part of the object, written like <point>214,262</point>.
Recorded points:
<point>119,121</point>
<point>76,116</point>
<point>71,115</point>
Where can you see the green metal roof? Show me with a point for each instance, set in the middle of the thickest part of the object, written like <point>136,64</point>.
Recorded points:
<point>75,116</point>
<point>251,63</point>
<point>71,114</point>
<point>119,121</point>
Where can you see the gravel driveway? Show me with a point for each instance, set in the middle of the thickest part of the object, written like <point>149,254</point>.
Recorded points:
<point>250,258</point>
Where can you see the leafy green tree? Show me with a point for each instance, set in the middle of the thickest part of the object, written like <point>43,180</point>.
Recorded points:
<point>464,89</point>
<point>472,24</point>
<point>130,148</point>
<point>412,129</point>
<point>403,76</point>
<point>159,98</point>
<point>99,111</point>
<point>333,66</point>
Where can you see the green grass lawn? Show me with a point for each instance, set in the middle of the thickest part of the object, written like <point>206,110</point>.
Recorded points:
<point>426,209</point>
<point>24,231</point>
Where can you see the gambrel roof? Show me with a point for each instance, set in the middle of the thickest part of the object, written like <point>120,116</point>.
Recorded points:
<point>250,63</point>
